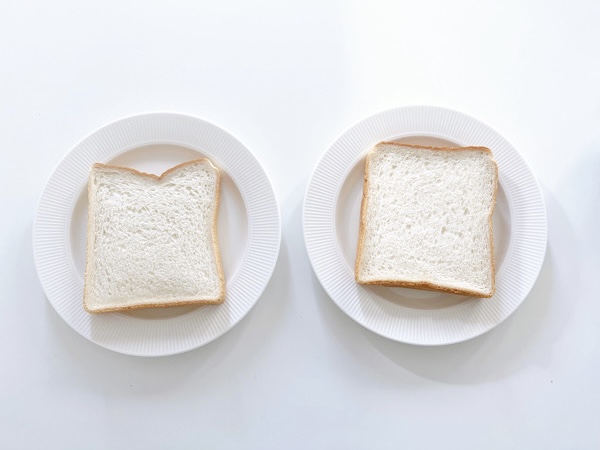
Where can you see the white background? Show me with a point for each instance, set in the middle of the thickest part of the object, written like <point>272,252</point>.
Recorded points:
<point>287,79</point>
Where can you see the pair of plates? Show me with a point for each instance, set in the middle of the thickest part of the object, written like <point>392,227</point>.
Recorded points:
<point>250,231</point>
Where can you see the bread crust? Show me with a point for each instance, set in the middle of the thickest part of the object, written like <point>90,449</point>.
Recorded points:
<point>214,232</point>
<point>423,285</point>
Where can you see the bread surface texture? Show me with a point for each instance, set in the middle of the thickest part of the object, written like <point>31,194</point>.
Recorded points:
<point>152,240</point>
<point>426,219</point>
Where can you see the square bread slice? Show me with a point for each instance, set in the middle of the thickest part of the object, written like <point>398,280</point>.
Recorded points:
<point>426,219</point>
<point>152,240</point>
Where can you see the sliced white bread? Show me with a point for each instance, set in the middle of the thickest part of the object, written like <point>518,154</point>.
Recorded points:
<point>426,219</point>
<point>152,240</point>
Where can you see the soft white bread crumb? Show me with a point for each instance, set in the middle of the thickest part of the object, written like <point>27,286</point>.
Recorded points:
<point>426,219</point>
<point>152,241</point>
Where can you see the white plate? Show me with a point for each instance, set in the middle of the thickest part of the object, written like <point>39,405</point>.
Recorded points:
<point>331,216</point>
<point>249,232</point>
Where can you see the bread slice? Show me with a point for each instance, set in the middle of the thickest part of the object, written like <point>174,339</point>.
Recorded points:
<point>152,240</point>
<point>426,219</point>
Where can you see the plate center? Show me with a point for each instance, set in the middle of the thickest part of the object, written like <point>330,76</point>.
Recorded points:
<point>348,218</point>
<point>232,220</point>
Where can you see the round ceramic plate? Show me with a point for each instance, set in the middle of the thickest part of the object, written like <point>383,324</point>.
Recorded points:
<point>331,217</point>
<point>248,223</point>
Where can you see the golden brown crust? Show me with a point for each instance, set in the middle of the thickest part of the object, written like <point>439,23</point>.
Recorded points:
<point>361,227</point>
<point>215,237</point>
<point>427,147</point>
<point>423,285</point>
<point>88,246</point>
<point>215,240</point>
<point>491,223</point>
<point>153,305</point>
<point>426,286</point>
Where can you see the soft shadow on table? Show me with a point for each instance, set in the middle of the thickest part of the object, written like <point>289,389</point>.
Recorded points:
<point>110,372</point>
<point>507,349</point>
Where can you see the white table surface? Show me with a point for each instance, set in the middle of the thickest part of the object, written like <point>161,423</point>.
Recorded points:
<point>287,79</point>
